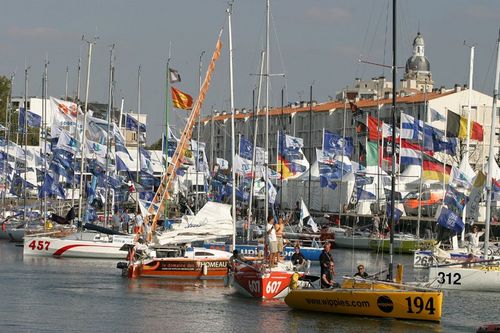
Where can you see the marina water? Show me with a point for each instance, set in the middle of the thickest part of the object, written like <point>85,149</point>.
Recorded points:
<point>82,295</point>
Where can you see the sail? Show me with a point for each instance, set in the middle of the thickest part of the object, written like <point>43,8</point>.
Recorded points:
<point>212,221</point>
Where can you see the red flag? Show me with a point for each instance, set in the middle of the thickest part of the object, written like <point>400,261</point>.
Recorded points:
<point>476,132</point>
<point>181,100</point>
<point>374,128</point>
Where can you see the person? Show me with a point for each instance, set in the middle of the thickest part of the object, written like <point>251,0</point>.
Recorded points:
<point>325,259</point>
<point>126,221</point>
<point>376,225</point>
<point>300,263</point>
<point>470,259</point>
<point>115,221</point>
<point>279,227</point>
<point>272,241</point>
<point>296,211</point>
<point>148,235</point>
<point>328,277</point>
<point>138,227</point>
<point>361,272</point>
<point>234,259</point>
<point>473,236</point>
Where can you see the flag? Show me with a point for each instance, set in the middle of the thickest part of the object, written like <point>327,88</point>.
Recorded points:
<point>456,127</point>
<point>475,196</point>
<point>67,142</point>
<point>291,160</point>
<point>246,148</point>
<point>364,194</point>
<point>435,170</point>
<point>334,143</point>
<point>223,164</point>
<point>145,160</point>
<point>51,188</point>
<point>477,132</point>
<point>397,212</point>
<point>64,113</point>
<point>131,124</point>
<point>455,199</point>
<point>120,165</point>
<point>355,110</point>
<point>372,154</point>
<point>174,75</point>
<point>374,128</point>
<point>119,147</point>
<point>436,115</point>
<point>495,189</point>
<point>32,119</point>
<point>242,166</point>
<point>411,154</point>
<point>447,219</point>
<point>411,128</point>
<point>181,100</point>
<point>271,192</point>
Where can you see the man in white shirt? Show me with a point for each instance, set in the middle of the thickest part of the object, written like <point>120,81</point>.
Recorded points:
<point>473,237</point>
<point>272,242</point>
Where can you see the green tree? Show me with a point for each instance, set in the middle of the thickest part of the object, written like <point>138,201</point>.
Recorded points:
<point>5,86</point>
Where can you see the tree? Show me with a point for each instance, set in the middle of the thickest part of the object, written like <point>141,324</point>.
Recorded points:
<point>5,86</point>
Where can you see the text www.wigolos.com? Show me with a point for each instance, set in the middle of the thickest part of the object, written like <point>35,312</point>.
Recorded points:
<point>338,302</point>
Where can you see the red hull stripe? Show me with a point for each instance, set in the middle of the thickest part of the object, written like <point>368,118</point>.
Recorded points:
<point>68,247</point>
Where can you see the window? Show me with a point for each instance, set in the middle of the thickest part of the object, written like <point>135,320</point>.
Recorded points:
<point>203,254</point>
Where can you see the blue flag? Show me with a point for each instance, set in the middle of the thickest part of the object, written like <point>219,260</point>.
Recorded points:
<point>32,119</point>
<point>51,188</point>
<point>246,148</point>
<point>120,165</point>
<point>397,213</point>
<point>447,219</point>
<point>364,195</point>
<point>131,123</point>
<point>455,199</point>
<point>334,143</point>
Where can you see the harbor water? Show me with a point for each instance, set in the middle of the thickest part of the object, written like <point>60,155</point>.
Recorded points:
<point>80,295</point>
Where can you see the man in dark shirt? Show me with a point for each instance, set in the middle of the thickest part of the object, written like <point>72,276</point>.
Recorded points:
<point>325,259</point>
<point>297,257</point>
<point>361,272</point>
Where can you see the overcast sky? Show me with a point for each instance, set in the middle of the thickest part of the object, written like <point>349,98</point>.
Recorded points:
<point>312,41</point>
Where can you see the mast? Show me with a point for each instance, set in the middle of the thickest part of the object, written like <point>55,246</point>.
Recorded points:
<point>108,137</point>
<point>393,175</point>
<point>138,133</point>
<point>197,161</point>
<point>66,83</point>
<point>8,115</point>
<point>167,110</point>
<point>82,164</point>
<point>45,85</point>
<point>212,141</point>
<point>266,139</point>
<point>256,131</point>
<point>310,145</point>
<point>25,128</point>
<point>231,103</point>
<point>491,153</point>
<point>469,106</point>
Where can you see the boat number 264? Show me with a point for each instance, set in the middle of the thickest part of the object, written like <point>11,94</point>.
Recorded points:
<point>39,245</point>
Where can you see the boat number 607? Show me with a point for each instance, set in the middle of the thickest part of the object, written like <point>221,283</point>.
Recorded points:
<point>40,245</point>
<point>254,286</point>
<point>273,287</point>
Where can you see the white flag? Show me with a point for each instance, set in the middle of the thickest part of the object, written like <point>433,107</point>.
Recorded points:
<point>64,113</point>
<point>67,142</point>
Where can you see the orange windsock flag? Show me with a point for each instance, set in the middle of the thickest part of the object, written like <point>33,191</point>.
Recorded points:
<point>181,100</point>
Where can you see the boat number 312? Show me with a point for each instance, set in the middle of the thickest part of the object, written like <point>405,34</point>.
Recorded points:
<point>449,278</point>
<point>40,245</point>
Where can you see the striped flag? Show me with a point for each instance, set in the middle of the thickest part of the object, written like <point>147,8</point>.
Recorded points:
<point>181,100</point>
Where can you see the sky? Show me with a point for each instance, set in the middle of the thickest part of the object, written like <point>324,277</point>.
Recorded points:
<point>313,42</point>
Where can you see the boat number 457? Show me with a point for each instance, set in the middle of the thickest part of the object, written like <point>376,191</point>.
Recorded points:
<point>39,245</point>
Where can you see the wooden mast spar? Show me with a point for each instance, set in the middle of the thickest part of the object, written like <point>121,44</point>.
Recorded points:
<point>162,193</point>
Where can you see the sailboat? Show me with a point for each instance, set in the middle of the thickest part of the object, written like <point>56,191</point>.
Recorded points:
<point>375,298</point>
<point>262,279</point>
<point>485,274</point>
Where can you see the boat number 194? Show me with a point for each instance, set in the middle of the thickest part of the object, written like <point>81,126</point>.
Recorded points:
<point>449,278</point>
<point>40,245</point>
<point>417,305</point>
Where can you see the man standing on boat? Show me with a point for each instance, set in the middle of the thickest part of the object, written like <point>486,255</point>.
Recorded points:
<point>325,261</point>
<point>279,227</point>
<point>272,241</point>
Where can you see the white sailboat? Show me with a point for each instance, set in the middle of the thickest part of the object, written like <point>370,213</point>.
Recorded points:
<point>483,275</point>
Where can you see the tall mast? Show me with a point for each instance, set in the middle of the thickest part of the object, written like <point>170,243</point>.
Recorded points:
<point>491,153</point>
<point>266,139</point>
<point>108,137</point>
<point>8,115</point>
<point>231,103</point>
<point>469,106</point>
<point>25,128</point>
<point>66,84</point>
<point>45,85</point>
<point>197,161</point>
<point>82,164</point>
<point>138,157</point>
<point>256,131</point>
<point>310,146</point>
<point>393,111</point>
<point>167,111</point>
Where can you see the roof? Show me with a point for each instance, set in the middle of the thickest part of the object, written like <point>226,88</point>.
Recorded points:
<point>333,105</point>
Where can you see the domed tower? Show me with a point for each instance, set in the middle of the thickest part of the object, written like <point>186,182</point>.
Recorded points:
<point>418,68</point>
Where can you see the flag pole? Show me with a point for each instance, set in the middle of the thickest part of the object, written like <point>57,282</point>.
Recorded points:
<point>138,162</point>
<point>108,137</point>
<point>167,109</point>
<point>197,161</point>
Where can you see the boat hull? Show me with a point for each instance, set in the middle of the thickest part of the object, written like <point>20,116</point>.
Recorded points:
<point>70,248</point>
<point>390,303</point>
<point>404,246</point>
<point>180,268</point>
<point>250,281</point>
<point>360,243</point>
<point>463,278</point>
